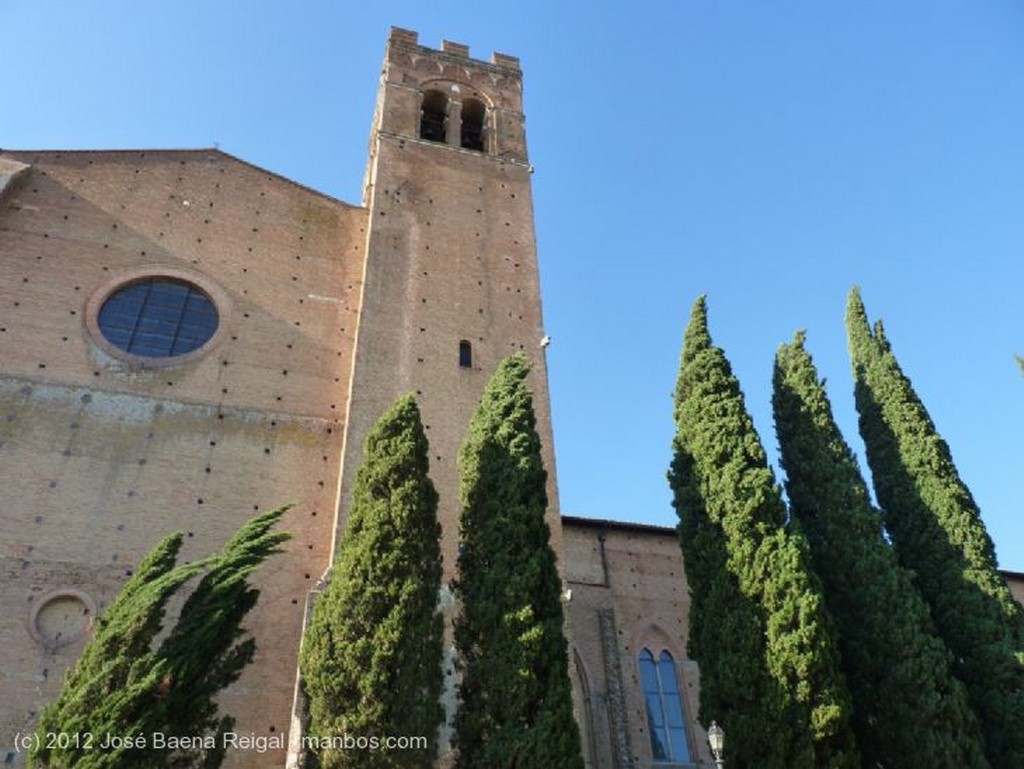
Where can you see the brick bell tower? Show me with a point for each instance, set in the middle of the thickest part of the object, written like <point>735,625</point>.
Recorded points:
<point>451,284</point>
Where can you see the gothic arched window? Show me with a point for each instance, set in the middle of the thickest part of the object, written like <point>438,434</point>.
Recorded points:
<point>666,721</point>
<point>434,116</point>
<point>473,115</point>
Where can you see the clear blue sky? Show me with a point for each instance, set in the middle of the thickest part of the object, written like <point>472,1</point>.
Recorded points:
<point>768,155</point>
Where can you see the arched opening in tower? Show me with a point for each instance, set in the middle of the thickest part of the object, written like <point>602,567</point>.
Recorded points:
<point>434,116</point>
<point>473,115</point>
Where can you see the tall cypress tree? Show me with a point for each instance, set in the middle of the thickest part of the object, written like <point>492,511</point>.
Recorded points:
<point>938,533</point>
<point>770,670</point>
<point>516,703</point>
<point>371,659</point>
<point>122,686</point>
<point>910,712</point>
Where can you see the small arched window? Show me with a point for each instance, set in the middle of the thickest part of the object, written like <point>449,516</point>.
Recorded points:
<point>473,116</point>
<point>434,116</point>
<point>666,721</point>
<point>465,354</point>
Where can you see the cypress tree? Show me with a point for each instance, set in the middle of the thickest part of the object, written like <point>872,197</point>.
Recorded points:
<point>516,704</point>
<point>208,648</point>
<point>938,533</point>
<point>770,671</point>
<point>371,659</point>
<point>109,687</point>
<point>124,687</point>
<point>909,710</point>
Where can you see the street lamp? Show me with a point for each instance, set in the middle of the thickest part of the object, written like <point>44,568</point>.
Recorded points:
<point>716,739</point>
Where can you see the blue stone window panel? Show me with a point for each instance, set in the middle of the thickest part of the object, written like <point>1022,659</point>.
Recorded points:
<point>158,318</point>
<point>666,722</point>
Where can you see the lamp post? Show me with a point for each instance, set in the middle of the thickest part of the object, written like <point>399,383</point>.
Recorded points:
<point>716,740</point>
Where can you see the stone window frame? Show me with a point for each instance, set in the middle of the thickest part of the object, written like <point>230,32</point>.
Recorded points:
<point>652,637</point>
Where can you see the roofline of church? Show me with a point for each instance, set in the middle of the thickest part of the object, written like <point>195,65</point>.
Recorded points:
<point>179,151</point>
<point>601,523</point>
<point>650,528</point>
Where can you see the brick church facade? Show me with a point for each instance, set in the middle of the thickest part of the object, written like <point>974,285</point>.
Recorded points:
<point>187,339</point>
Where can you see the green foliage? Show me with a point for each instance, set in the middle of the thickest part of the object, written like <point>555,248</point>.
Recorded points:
<point>758,625</point>
<point>207,649</point>
<point>516,705</point>
<point>122,686</point>
<point>371,659</point>
<point>938,533</point>
<point>909,710</point>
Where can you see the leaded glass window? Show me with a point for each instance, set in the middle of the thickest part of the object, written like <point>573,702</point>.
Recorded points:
<point>666,722</point>
<point>158,318</point>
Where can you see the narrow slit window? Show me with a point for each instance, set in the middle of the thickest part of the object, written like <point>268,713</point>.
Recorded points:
<point>465,354</point>
<point>434,117</point>
<point>473,118</point>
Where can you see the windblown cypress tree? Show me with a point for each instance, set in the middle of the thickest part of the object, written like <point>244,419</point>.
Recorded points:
<point>770,669</point>
<point>372,656</point>
<point>938,533</point>
<point>208,648</point>
<point>909,710</point>
<point>516,705</point>
<point>122,686</point>
<point>109,688</point>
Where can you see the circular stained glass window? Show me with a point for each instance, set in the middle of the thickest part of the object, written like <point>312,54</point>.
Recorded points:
<point>158,318</point>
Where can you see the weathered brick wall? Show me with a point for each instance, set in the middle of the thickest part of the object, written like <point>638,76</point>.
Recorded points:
<point>629,592</point>
<point>99,458</point>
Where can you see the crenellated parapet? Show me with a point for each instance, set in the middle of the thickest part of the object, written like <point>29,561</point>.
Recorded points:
<point>447,97</point>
